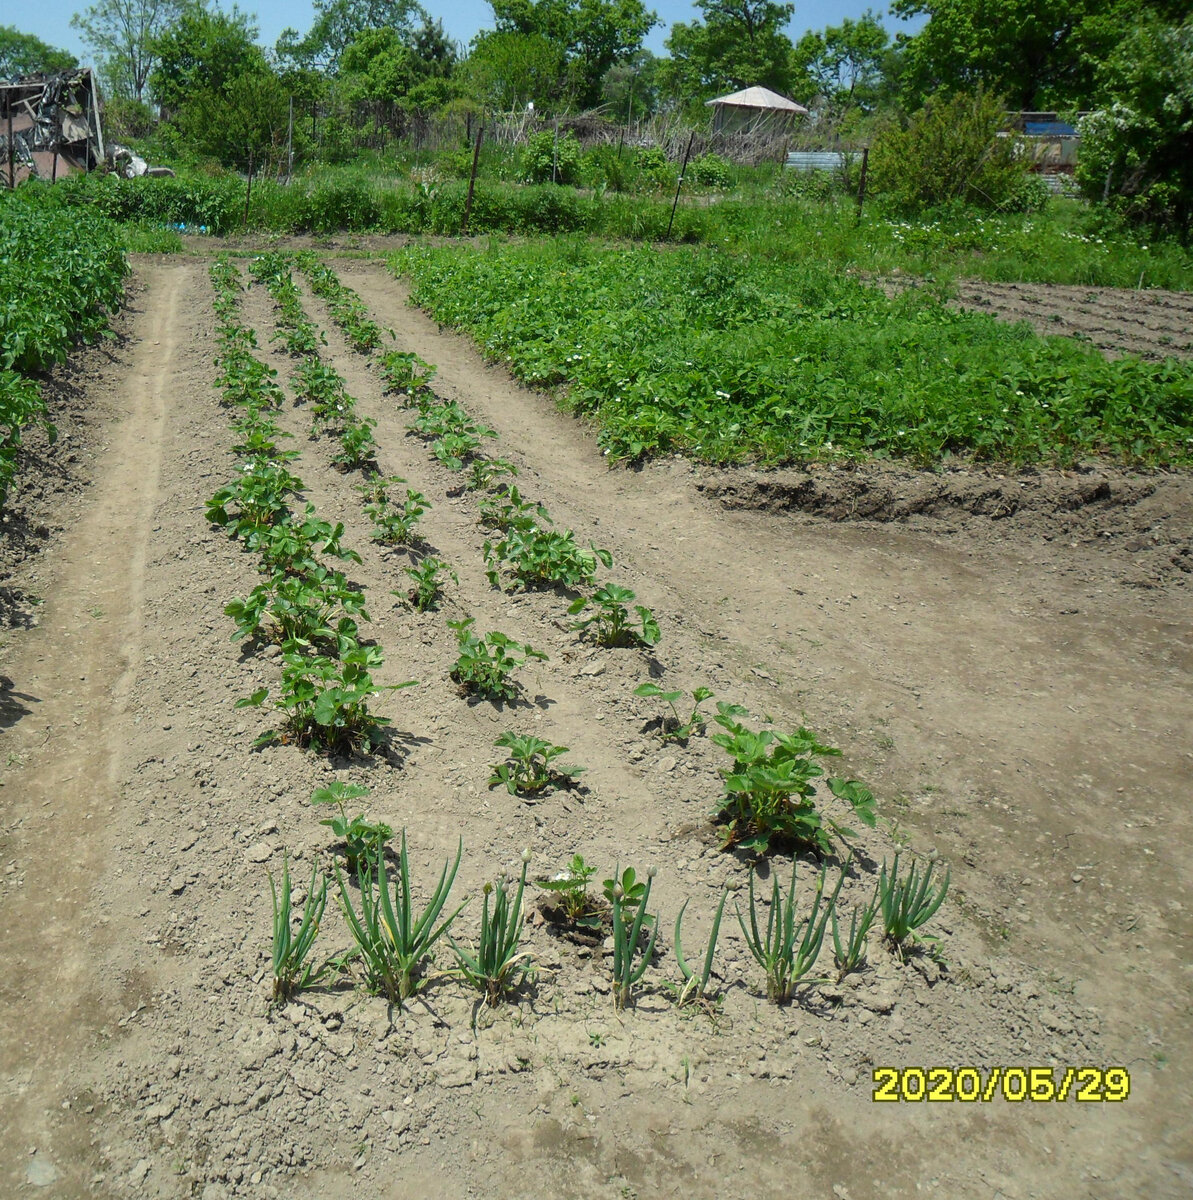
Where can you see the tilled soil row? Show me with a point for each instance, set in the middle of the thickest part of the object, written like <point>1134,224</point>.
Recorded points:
<point>1153,324</point>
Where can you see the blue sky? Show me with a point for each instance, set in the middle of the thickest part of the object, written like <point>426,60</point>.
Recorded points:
<point>50,19</point>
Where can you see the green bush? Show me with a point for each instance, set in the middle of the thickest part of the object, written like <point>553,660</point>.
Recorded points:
<point>710,170</point>
<point>1135,151</point>
<point>332,207</point>
<point>607,168</point>
<point>214,203</point>
<point>950,151</point>
<point>654,171</point>
<point>551,159</point>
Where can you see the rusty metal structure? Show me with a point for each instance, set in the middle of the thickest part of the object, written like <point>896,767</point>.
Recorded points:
<point>50,126</point>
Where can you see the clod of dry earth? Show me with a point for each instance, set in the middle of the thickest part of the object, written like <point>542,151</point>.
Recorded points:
<point>1016,707</point>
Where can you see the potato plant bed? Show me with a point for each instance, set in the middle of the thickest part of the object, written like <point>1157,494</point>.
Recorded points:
<point>729,359</point>
<point>567,1046</point>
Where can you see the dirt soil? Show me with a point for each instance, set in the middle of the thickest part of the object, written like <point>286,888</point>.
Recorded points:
<point>1152,324</point>
<point>1006,661</point>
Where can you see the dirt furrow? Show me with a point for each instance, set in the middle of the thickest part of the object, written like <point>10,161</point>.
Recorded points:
<point>74,673</point>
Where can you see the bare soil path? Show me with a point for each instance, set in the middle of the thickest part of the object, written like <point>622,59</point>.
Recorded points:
<point>1016,708</point>
<point>65,717</point>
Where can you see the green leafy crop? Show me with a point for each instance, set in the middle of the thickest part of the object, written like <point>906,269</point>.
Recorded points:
<point>531,767</point>
<point>610,623</point>
<point>769,793</point>
<point>486,664</point>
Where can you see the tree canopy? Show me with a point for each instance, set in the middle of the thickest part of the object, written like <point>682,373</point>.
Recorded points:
<point>24,54</point>
<point>844,63</point>
<point>1038,54</point>
<point>739,43</point>
<point>204,50</point>
<point>121,35</point>
<point>338,23</point>
<point>593,35</point>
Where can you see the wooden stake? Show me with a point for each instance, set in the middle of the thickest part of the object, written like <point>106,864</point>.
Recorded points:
<point>248,191</point>
<point>679,183</point>
<point>861,187</point>
<point>476,157</point>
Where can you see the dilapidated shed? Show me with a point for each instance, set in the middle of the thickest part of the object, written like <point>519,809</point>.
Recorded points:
<point>50,126</point>
<point>753,110</point>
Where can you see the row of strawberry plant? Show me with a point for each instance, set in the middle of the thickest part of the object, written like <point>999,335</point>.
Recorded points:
<point>332,409</point>
<point>769,791</point>
<point>347,309</point>
<point>394,938</point>
<point>61,275</point>
<point>307,607</point>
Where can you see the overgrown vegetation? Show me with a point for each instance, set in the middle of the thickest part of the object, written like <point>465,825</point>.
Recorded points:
<point>729,358</point>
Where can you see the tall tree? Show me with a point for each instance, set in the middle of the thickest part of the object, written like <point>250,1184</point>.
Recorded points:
<point>594,34</point>
<point>508,70</point>
<point>844,63</point>
<point>338,23</point>
<point>740,43</point>
<point>121,33</point>
<point>243,121</point>
<point>24,54</point>
<point>203,51</point>
<point>1040,54</point>
<point>1137,150</point>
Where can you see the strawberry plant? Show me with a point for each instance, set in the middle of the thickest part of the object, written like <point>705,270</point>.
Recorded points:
<point>530,767</point>
<point>486,664</point>
<point>428,586</point>
<point>292,545</point>
<point>256,500</point>
<point>326,702</point>
<point>676,728</point>
<point>610,624</point>
<point>347,309</point>
<point>301,611</point>
<point>508,511</point>
<point>323,386</point>
<point>482,472</point>
<point>541,558</point>
<point>404,372</point>
<point>769,793</point>
<point>392,526</point>
<point>454,448</point>
<point>581,909</point>
<point>358,446</point>
<point>363,840</point>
